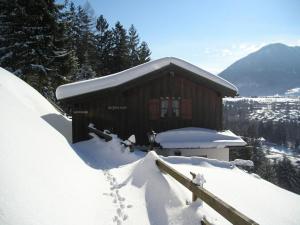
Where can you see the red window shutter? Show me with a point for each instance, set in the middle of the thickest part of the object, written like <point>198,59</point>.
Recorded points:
<point>154,109</point>
<point>186,109</point>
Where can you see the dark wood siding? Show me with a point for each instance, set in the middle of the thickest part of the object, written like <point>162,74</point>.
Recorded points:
<point>125,110</point>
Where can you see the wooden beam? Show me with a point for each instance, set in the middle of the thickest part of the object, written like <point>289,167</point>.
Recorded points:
<point>228,212</point>
<point>100,134</point>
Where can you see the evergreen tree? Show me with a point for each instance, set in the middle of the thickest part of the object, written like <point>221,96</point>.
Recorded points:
<point>144,53</point>
<point>45,43</point>
<point>31,42</point>
<point>71,38</point>
<point>120,51</point>
<point>84,40</point>
<point>267,171</point>
<point>287,175</point>
<point>104,46</point>
<point>85,72</point>
<point>133,46</point>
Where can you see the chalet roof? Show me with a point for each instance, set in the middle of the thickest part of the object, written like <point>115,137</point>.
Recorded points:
<point>116,79</point>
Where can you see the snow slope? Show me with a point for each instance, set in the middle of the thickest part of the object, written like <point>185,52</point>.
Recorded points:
<point>42,180</point>
<point>46,180</point>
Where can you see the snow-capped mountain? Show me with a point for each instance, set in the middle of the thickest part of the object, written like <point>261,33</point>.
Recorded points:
<point>274,69</point>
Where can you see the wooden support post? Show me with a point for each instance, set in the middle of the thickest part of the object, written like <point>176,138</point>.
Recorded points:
<point>194,197</point>
<point>204,221</point>
<point>228,212</point>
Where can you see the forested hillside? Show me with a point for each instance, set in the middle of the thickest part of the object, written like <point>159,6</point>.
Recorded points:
<point>272,126</point>
<point>49,44</point>
<point>277,119</point>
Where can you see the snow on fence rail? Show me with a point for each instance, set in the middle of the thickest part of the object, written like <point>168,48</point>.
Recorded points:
<point>228,212</point>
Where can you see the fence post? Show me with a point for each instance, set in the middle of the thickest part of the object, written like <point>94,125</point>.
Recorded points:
<point>194,197</point>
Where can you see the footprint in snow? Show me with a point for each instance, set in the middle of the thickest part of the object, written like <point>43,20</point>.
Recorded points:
<point>125,217</point>
<point>117,199</point>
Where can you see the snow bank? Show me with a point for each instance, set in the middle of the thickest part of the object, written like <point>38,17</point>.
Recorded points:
<point>113,80</point>
<point>191,137</point>
<point>154,197</point>
<point>105,155</point>
<point>260,200</point>
<point>42,180</point>
<point>18,96</point>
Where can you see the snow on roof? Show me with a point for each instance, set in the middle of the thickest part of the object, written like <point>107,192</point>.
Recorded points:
<point>192,137</point>
<point>113,80</point>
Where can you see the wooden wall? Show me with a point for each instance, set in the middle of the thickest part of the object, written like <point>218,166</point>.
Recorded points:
<point>125,110</point>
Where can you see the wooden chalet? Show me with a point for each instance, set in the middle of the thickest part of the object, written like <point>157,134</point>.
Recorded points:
<point>160,95</point>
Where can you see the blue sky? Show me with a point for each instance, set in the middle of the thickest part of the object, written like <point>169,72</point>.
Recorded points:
<point>209,33</point>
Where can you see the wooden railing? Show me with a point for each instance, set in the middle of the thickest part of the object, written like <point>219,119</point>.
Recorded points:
<point>228,212</point>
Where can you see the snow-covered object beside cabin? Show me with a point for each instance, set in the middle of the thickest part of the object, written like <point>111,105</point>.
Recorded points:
<point>113,80</point>
<point>132,139</point>
<point>193,137</point>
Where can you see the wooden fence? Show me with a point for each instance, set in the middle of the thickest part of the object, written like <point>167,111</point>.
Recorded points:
<point>228,212</point>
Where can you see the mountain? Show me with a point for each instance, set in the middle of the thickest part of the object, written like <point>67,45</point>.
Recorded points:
<point>273,69</point>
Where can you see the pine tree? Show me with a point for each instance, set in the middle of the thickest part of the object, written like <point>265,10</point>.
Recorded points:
<point>104,46</point>
<point>85,72</point>
<point>31,45</point>
<point>71,38</point>
<point>45,43</point>
<point>84,40</point>
<point>133,46</point>
<point>144,53</point>
<point>120,52</point>
<point>287,175</point>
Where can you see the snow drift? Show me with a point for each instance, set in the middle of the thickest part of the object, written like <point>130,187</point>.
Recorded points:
<point>42,180</point>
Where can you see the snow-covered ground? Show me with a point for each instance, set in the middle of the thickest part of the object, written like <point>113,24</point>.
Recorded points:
<point>46,180</point>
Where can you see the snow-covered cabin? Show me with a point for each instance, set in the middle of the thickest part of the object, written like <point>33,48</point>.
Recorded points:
<point>160,95</point>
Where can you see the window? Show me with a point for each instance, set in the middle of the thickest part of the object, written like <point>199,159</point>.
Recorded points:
<point>175,107</point>
<point>164,105</point>
<point>170,108</point>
